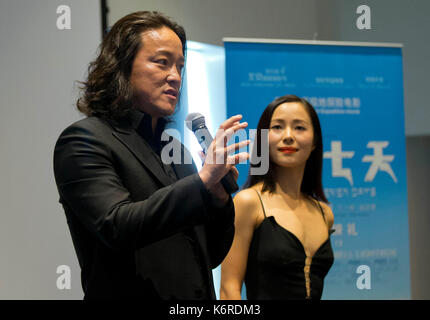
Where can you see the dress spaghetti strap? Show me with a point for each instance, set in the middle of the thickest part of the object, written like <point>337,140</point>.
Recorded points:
<point>322,211</point>
<point>261,201</point>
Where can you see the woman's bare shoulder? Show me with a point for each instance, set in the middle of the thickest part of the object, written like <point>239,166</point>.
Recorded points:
<point>247,198</point>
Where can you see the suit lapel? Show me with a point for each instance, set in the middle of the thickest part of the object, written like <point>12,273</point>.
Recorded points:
<point>185,169</point>
<point>143,152</point>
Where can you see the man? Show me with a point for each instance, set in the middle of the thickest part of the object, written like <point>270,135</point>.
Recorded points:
<point>142,228</point>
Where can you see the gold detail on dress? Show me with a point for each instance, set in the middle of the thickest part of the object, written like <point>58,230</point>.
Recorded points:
<point>307,270</point>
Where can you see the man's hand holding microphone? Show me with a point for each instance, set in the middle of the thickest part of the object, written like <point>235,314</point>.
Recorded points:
<point>218,173</point>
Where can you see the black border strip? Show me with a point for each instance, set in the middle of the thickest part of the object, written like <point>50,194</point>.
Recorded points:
<point>104,13</point>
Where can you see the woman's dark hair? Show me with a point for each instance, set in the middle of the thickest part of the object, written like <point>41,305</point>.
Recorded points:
<point>107,93</point>
<point>312,178</point>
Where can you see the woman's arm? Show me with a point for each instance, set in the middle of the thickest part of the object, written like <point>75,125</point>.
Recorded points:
<point>233,268</point>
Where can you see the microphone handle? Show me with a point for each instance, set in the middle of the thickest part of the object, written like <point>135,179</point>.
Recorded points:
<point>229,183</point>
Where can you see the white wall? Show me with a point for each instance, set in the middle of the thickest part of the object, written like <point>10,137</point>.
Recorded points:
<point>38,67</point>
<point>418,170</point>
<point>209,21</point>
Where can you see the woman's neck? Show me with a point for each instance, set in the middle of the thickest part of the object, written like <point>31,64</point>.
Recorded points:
<point>288,182</point>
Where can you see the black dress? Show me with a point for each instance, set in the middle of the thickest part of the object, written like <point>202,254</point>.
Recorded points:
<point>276,263</point>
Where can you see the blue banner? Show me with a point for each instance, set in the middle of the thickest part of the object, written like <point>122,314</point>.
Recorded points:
<point>357,92</point>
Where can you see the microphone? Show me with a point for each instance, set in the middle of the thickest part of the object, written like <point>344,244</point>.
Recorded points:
<point>196,123</point>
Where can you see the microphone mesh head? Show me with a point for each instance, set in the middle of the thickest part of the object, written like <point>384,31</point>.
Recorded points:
<point>195,121</point>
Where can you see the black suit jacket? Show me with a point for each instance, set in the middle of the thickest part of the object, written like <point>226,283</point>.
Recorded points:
<point>139,229</point>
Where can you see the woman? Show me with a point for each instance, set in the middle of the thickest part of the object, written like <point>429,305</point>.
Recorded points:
<point>281,248</point>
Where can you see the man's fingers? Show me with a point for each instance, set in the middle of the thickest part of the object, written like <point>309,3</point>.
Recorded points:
<point>223,135</point>
<point>202,156</point>
<point>238,158</point>
<point>230,121</point>
<point>237,146</point>
<point>235,172</point>
<point>220,153</point>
